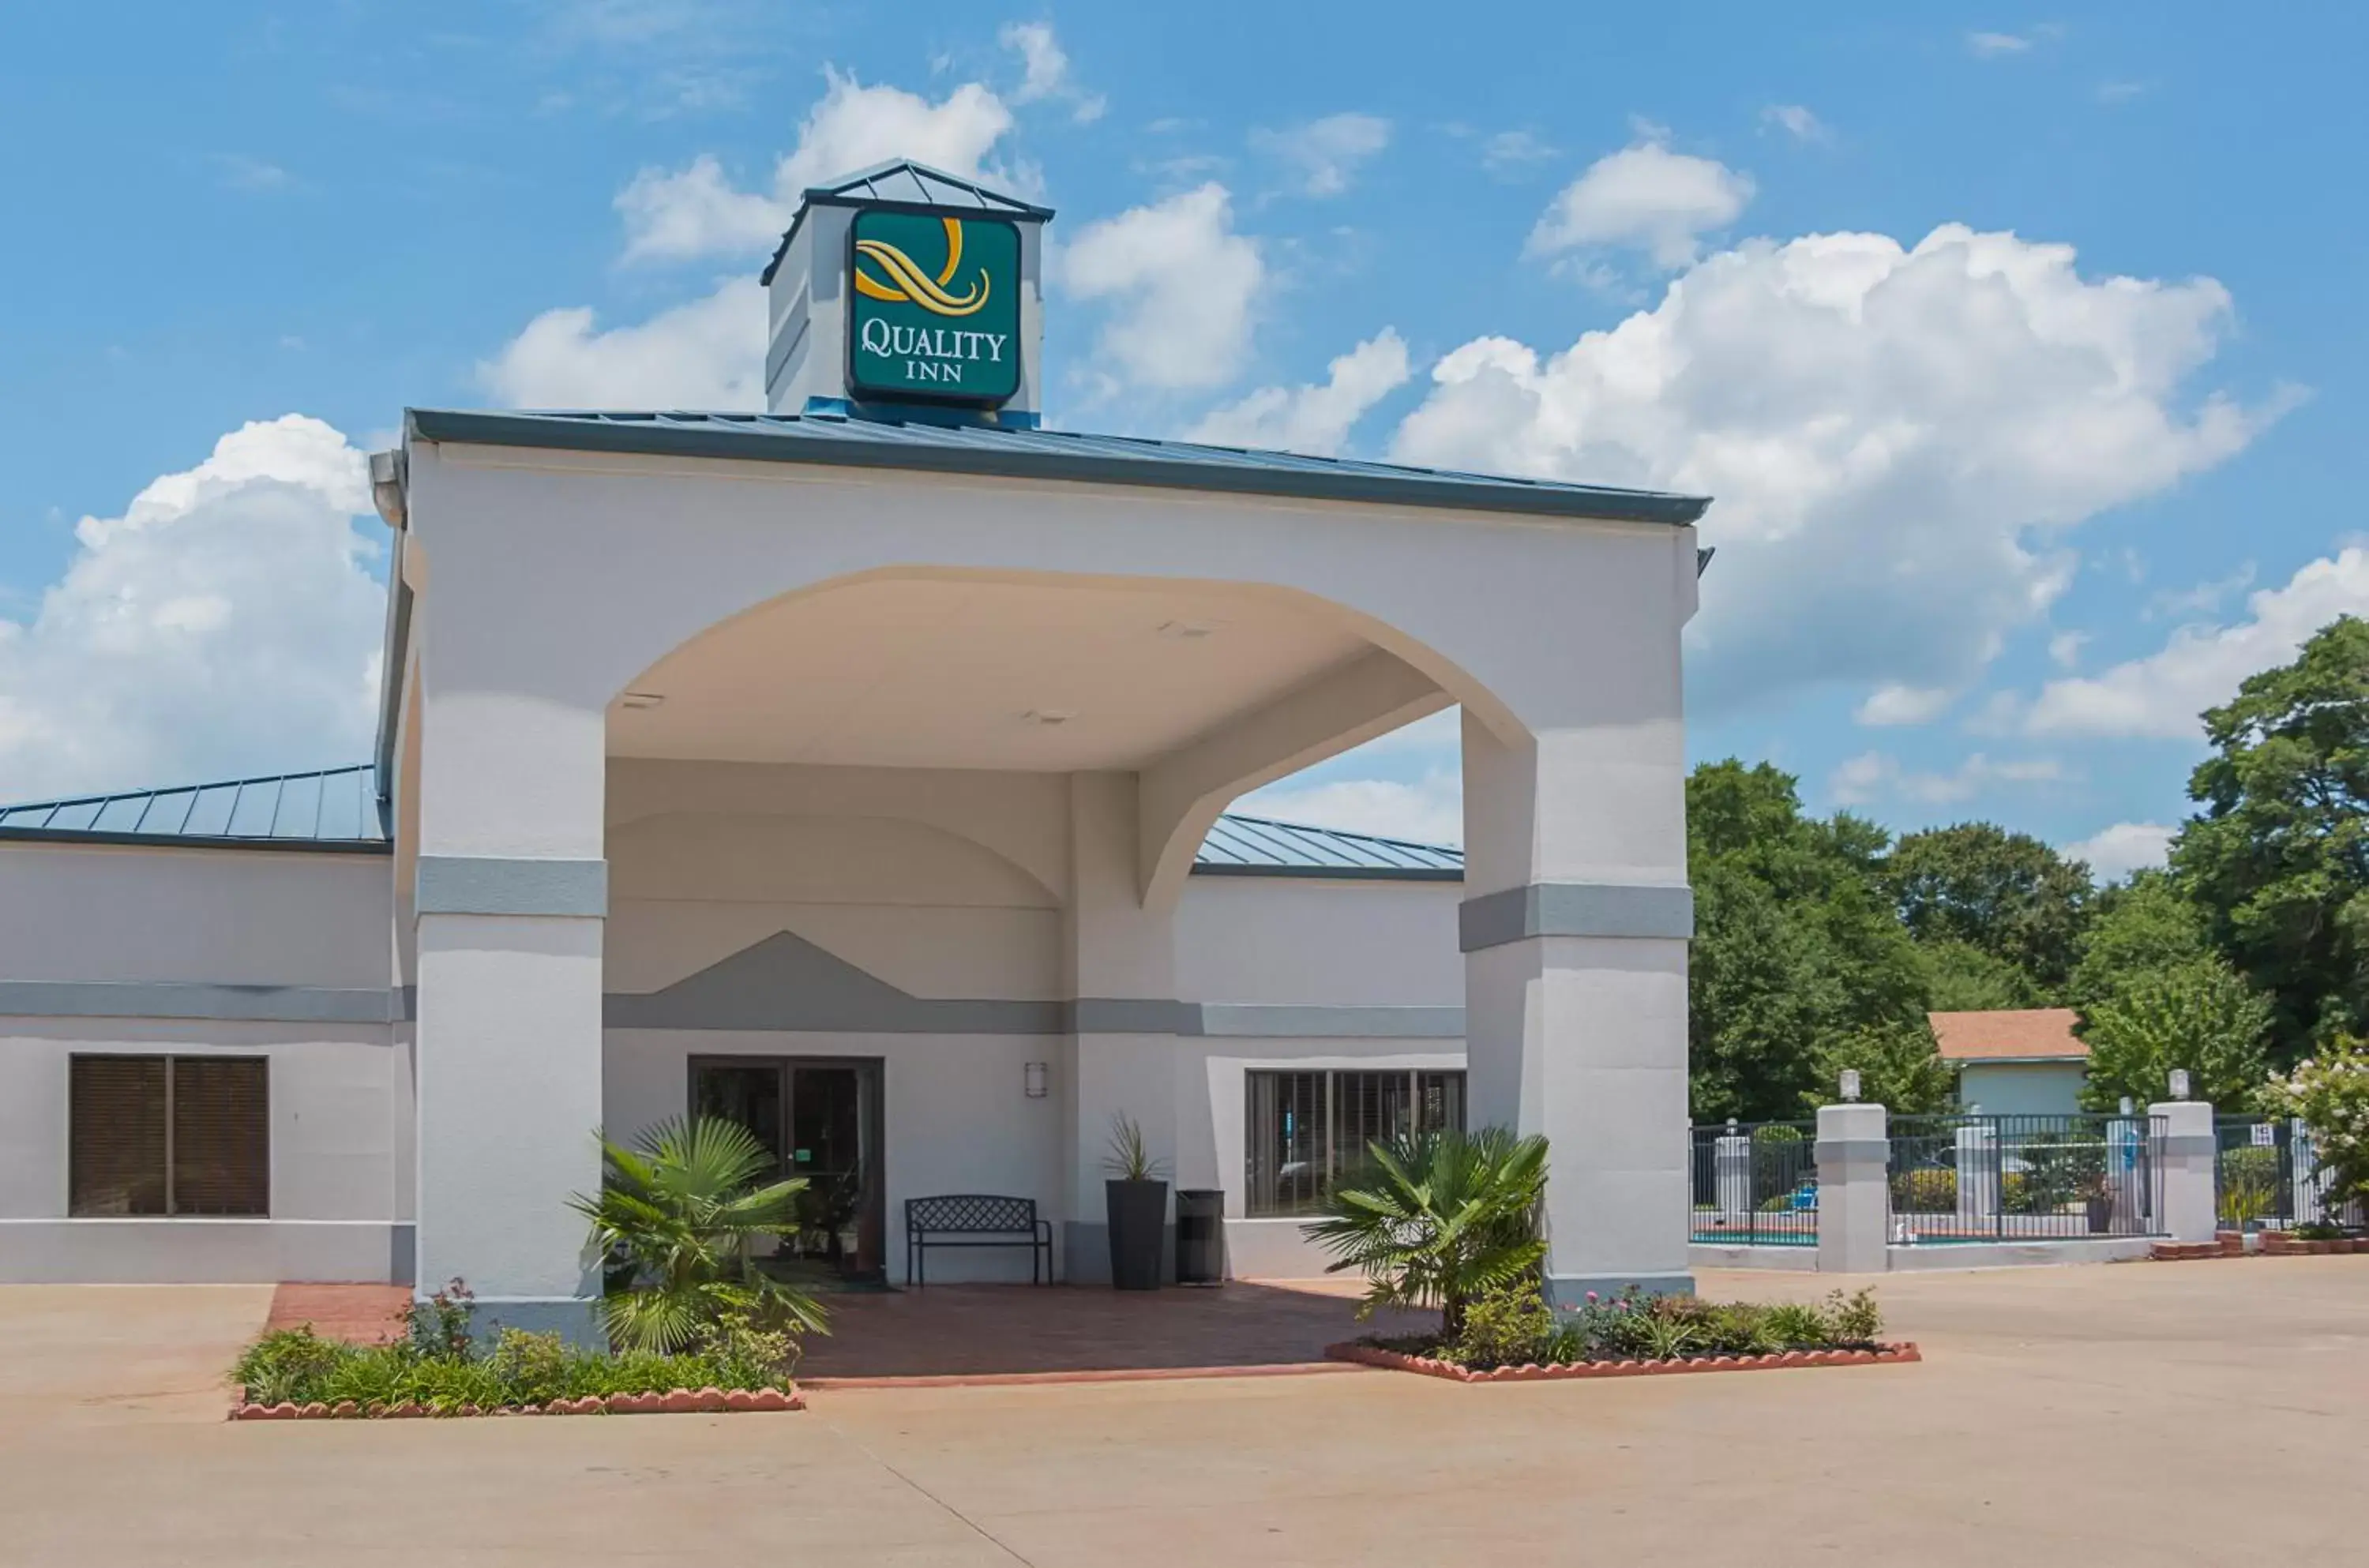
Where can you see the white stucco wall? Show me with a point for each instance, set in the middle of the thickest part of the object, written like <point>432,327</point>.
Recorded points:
<point>180,931</point>
<point>1289,941</point>
<point>2023,1089</point>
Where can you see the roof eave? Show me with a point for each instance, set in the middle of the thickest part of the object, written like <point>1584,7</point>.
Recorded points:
<point>79,836</point>
<point>487,428</point>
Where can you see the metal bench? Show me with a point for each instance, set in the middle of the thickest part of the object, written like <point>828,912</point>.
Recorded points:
<point>986,1221</point>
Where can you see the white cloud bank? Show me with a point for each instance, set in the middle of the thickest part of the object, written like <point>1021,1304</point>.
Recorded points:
<point>1895,437</point>
<point>1873,776</point>
<point>1313,417</point>
<point>1046,74</point>
<point>226,624</point>
<point>1182,285</point>
<point>1429,810</point>
<point>1326,154</point>
<point>1645,197</point>
<point>2116,851</point>
<point>707,354</point>
<point>2202,666</point>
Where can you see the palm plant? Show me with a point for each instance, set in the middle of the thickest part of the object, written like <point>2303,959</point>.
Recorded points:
<point>1439,1219</point>
<point>673,1225</point>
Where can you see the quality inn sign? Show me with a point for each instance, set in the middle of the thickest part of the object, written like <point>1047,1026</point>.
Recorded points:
<point>934,310</point>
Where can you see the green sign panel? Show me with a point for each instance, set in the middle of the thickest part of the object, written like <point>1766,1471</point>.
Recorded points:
<point>934,308</point>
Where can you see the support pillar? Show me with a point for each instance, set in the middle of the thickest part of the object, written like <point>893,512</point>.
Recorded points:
<point>1121,963</point>
<point>2185,1160</point>
<point>1854,1153</point>
<point>1574,932</point>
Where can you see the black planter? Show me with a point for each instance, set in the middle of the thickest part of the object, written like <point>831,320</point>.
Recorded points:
<point>1138,1224</point>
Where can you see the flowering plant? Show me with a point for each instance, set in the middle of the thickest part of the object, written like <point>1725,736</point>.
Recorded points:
<point>2331,1092</point>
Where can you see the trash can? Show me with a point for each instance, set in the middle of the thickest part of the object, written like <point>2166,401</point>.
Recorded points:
<point>1200,1236</point>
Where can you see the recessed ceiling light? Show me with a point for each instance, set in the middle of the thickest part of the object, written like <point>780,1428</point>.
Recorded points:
<point>641,699</point>
<point>1182,630</point>
<point>1049,716</point>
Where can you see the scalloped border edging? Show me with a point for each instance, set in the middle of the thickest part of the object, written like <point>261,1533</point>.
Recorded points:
<point>677,1402</point>
<point>1399,1361</point>
<point>2288,1246</point>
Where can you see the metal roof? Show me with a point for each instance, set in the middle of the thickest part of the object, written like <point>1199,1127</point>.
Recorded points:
<point>1042,455</point>
<point>336,808</point>
<point>1254,846</point>
<point>901,182</point>
<point>339,809</point>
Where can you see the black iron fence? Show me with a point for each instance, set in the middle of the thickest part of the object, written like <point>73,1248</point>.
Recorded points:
<point>2010,1178</point>
<point>2254,1160</point>
<point>1756,1183</point>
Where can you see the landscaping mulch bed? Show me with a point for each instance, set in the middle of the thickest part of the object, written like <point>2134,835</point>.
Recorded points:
<point>681,1402</point>
<point>1431,1367</point>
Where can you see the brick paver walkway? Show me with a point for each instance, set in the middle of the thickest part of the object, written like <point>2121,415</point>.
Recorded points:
<point>362,1313</point>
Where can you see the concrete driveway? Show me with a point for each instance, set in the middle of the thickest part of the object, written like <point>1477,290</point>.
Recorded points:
<point>2157,1414</point>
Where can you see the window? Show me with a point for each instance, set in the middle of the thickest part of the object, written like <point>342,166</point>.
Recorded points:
<point>1306,1129</point>
<point>168,1136</point>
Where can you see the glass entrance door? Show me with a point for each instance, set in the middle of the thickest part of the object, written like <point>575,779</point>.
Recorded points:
<point>821,1119</point>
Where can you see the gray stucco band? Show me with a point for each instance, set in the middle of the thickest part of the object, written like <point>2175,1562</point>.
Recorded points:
<point>1132,1015</point>
<point>237,1003</point>
<point>1575,908</point>
<point>2187,1145</point>
<point>487,884</point>
<point>1836,1152</point>
<point>1254,1021</point>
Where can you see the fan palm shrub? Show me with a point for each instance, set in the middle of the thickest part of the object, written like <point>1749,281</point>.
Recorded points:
<point>674,1226</point>
<point>1437,1218</point>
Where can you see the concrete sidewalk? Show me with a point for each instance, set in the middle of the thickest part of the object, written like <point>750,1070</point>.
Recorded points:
<point>2156,1415</point>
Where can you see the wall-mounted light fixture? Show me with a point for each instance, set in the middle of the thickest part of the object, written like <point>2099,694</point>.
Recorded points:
<point>1850,1084</point>
<point>1037,1077</point>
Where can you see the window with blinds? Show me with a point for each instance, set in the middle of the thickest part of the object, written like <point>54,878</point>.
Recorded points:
<point>158,1134</point>
<point>1306,1129</point>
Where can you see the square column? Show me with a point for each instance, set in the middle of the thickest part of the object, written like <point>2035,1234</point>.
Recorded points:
<point>510,901</point>
<point>1120,959</point>
<point>1854,1154</point>
<point>2186,1157</point>
<point>1574,931</point>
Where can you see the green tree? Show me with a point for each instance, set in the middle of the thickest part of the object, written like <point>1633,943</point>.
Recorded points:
<point>1899,1067</point>
<point>1796,946</point>
<point>2146,926</point>
<point>2200,1016</point>
<point>1437,1220</point>
<point>672,1226</point>
<point>2005,894</point>
<point>1961,977</point>
<point>2279,858</point>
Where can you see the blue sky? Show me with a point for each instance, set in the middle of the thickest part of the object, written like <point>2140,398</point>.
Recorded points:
<point>2021,351</point>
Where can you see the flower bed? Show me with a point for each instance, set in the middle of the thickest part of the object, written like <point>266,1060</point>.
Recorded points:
<point>2278,1243</point>
<point>1512,1336</point>
<point>1373,1354</point>
<point>711,1401</point>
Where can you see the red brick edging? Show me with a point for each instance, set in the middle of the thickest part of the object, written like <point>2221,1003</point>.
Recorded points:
<point>2278,1243</point>
<point>710,1400</point>
<point>1399,1361</point>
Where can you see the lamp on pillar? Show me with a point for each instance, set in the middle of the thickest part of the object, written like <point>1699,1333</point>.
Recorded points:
<point>1849,1084</point>
<point>2179,1084</point>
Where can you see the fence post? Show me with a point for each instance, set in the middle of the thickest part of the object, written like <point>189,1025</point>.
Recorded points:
<point>1732,1169</point>
<point>2185,1160</point>
<point>1854,1154</point>
<point>1978,1170</point>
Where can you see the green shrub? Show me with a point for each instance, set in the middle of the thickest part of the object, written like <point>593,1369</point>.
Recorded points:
<point>1797,1325</point>
<point>286,1364</point>
<point>1855,1319</point>
<point>1505,1328</point>
<point>1739,1327</point>
<point>1926,1192</point>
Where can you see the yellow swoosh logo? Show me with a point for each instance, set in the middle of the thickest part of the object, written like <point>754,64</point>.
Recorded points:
<point>910,284</point>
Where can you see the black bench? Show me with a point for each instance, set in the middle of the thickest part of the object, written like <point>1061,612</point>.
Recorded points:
<point>977,1220</point>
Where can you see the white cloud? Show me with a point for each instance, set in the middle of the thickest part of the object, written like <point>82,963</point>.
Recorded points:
<point>1646,197</point>
<point>696,211</point>
<point>1314,418</point>
<point>1893,704</point>
<point>1045,67</point>
<point>1510,152</point>
<point>2200,666</point>
<point>1895,439</point>
<point>1325,154</point>
<point>2204,599</point>
<point>226,624</point>
<point>1184,286</point>
<point>2116,851</point>
<point>706,354</point>
<point>2064,648</point>
<point>1873,776</point>
<point>1991,46</point>
<point>1428,812</point>
<point>1797,121</point>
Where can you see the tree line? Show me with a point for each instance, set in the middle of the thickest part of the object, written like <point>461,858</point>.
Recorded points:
<point>1822,943</point>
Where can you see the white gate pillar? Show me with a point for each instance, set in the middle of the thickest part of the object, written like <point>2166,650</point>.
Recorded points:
<point>1854,1152</point>
<point>1574,931</point>
<point>2186,1159</point>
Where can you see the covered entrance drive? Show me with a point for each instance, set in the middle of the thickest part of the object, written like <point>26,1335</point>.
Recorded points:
<point>730,745</point>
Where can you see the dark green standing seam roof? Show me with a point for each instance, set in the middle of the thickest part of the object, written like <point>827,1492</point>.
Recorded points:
<point>339,809</point>
<point>1045,454</point>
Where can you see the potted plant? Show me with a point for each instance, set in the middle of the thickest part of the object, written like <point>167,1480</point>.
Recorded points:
<point>1136,1197</point>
